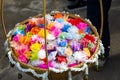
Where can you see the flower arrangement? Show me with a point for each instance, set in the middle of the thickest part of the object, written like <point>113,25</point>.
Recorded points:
<point>70,41</point>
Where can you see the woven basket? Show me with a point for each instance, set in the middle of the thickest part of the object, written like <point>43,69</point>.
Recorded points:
<point>57,76</point>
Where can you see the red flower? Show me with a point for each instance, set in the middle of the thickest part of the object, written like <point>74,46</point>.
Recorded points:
<point>89,37</point>
<point>61,59</point>
<point>74,21</point>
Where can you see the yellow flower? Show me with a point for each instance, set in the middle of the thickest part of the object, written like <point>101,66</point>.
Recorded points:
<point>41,33</point>
<point>35,47</point>
<point>29,34</point>
<point>87,51</point>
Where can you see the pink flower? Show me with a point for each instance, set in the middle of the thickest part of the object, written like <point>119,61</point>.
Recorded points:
<point>22,58</point>
<point>17,37</point>
<point>82,26</point>
<point>35,38</point>
<point>55,31</point>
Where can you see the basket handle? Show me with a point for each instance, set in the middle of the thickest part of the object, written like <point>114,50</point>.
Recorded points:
<point>2,18</point>
<point>44,13</point>
<point>102,18</point>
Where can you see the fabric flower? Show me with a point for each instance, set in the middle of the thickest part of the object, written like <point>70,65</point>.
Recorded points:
<point>61,51</point>
<point>58,25</point>
<point>21,27</point>
<point>62,35</point>
<point>75,46</point>
<point>89,37</point>
<point>87,51</point>
<point>24,40</point>
<point>29,34</point>
<point>55,31</point>
<point>42,54</point>
<point>61,43</point>
<point>52,56</point>
<point>35,38</point>
<point>60,20</point>
<point>23,59</point>
<point>68,51</point>
<point>74,21</point>
<point>49,17</point>
<point>45,66</point>
<point>82,26</point>
<point>69,36</point>
<point>61,59</point>
<point>58,15</point>
<point>27,54</point>
<point>35,47</point>
<point>33,22</point>
<point>17,37</point>
<point>76,37</point>
<point>18,31</point>
<point>34,56</point>
<point>50,37</point>
<point>84,42</point>
<point>73,30</point>
<point>88,30</point>
<point>41,33</point>
<point>28,28</point>
<point>50,25</point>
<point>80,56</point>
<point>65,28</point>
<point>36,62</point>
<point>35,30</point>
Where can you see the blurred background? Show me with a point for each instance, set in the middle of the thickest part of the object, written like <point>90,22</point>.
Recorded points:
<point>16,11</point>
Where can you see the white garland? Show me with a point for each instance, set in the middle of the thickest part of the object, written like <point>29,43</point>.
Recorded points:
<point>6,46</point>
<point>58,70</point>
<point>79,69</point>
<point>102,48</point>
<point>9,33</point>
<point>69,75</point>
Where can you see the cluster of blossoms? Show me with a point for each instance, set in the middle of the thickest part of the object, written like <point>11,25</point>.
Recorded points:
<point>70,41</point>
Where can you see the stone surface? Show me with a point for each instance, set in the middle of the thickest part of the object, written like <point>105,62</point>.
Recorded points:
<point>18,10</point>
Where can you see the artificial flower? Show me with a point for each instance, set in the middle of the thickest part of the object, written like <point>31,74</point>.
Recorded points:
<point>24,40</point>
<point>35,30</point>
<point>42,33</point>
<point>35,47</point>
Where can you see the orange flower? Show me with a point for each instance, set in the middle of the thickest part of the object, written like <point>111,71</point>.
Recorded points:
<point>58,15</point>
<point>81,31</point>
<point>24,40</point>
<point>42,21</point>
<point>33,21</point>
<point>27,54</point>
<point>50,25</point>
<point>35,30</point>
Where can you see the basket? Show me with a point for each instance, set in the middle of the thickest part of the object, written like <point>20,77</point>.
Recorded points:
<point>45,74</point>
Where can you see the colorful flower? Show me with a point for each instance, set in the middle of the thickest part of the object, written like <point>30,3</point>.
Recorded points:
<point>35,47</point>
<point>35,30</point>
<point>42,33</point>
